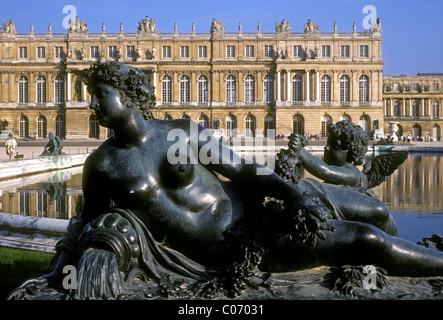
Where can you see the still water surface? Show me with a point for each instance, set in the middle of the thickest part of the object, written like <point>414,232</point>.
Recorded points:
<point>414,194</point>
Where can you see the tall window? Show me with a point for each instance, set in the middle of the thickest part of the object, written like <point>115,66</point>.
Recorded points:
<point>184,52</point>
<point>365,122</point>
<point>58,52</point>
<point>231,126</point>
<point>204,121</point>
<point>23,90</point>
<point>231,94</point>
<point>41,52</point>
<point>269,127</point>
<point>325,121</point>
<point>344,51</point>
<point>435,109</point>
<point>397,108</point>
<point>60,126</point>
<point>249,52</point>
<point>94,52</point>
<point>268,89</point>
<point>250,126</point>
<point>166,51</point>
<point>249,89</point>
<point>230,51</point>
<point>297,51</point>
<point>344,89</point>
<point>326,51</point>
<point>202,89</point>
<point>130,51</point>
<point>24,127</point>
<point>41,89</point>
<point>269,51</point>
<point>112,52</point>
<point>297,88</point>
<point>166,89</point>
<point>59,89</point>
<point>184,89</point>
<point>415,109</point>
<point>298,124</point>
<point>94,127</point>
<point>41,127</point>
<point>202,51</point>
<point>23,52</point>
<point>325,89</point>
<point>363,89</point>
<point>364,51</point>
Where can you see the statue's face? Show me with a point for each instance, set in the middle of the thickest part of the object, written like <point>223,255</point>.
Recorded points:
<point>107,104</point>
<point>335,153</point>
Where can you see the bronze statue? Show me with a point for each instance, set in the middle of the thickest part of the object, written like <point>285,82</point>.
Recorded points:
<point>153,226</point>
<point>54,146</point>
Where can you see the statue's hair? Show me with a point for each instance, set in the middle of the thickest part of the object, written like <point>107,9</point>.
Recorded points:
<point>137,90</point>
<point>353,136</point>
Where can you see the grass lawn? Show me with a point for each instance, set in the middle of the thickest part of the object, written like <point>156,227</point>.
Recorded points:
<point>18,265</point>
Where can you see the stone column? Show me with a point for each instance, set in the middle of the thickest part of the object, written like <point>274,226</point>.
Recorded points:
<point>85,91</point>
<point>317,86</point>
<point>154,82</point>
<point>307,86</point>
<point>288,85</point>
<point>68,87</point>
<point>278,86</point>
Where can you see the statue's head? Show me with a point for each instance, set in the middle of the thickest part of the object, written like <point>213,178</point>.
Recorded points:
<point>133,85</point>
<point>353,138</point>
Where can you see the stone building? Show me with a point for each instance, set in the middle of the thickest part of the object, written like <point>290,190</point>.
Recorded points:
<point>235,83</point>
<point>415,104</point>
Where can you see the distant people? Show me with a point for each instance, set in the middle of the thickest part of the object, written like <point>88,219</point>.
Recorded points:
<point>11,146</point>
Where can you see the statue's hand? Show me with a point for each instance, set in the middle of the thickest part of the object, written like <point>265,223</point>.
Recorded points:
<point>296,142</point>
<point>31,286</point>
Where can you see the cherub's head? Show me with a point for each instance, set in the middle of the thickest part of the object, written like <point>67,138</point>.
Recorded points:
<point>350,137</point>
<point>133,85</point>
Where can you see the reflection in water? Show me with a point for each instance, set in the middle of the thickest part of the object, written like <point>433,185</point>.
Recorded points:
<point>413,194</point>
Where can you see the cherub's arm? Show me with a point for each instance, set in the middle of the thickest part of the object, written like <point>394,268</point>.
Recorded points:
<point>340,175</point>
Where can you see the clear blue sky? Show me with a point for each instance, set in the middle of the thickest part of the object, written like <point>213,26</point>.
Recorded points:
<point>412,30</point>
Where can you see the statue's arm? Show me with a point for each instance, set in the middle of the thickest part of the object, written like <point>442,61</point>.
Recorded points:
<point>348,176</point>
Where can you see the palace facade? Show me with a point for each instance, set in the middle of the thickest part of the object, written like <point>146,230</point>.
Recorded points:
<point>415,103</point>
<point>235,83</point>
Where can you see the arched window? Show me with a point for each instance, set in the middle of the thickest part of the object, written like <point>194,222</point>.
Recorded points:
<point>231,94</point>
<point>167,117</point>
<point>41,127</point>
<point>298,124</point>
<point>435,109</point>
<point>344,89</point>
<point>202,89</point>
<point>297,88</point>
<point>250,126</point>
<point>60,126</point>
<point>325,89</point>
<point>249,89</point>
<point>24,127</point>
<point>397,108</point>
<point>436,132</point>
<point>268,89</point>
<point>23,90</point>
<point>345,117</point>
<point>216,124</point>
<point>325,121</point>
<point>59,86</point>
<point>415,109</point>
<point>231,126</point>
<point>41,89</point>
<point>94,127</point>
<point>184,89</point>
<point>166,89</point>
<point>204,121</point>
<point>365,122</point>
<point>416,132</point>
<point>269,127</point>
<point>363,89</point>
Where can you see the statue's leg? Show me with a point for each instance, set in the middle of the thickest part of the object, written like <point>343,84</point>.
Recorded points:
<point>354,243</point>
<point>356,206</point>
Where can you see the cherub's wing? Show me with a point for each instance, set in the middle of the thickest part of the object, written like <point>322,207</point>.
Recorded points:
<point>383,166</point>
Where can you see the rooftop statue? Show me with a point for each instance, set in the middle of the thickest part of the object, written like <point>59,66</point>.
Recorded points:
<point>282,26</point>
<point>179,229</point>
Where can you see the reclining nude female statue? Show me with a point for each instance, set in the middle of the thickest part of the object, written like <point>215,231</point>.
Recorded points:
<point>159,210</point>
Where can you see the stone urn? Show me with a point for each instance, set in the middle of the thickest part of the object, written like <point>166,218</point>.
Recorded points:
<point>393,128</point>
